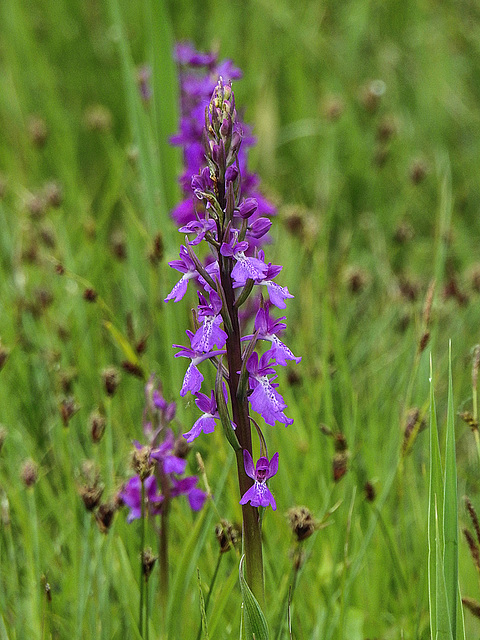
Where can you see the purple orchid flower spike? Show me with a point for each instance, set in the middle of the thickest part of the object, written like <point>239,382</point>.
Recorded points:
<point>186,266</point>
<point>265,398</point>
<point>168,462</point>
<point>209,333</point>
<point>245,267</point>
<point>187,486</point>
<point>268,328</point>
<point>259,495</point>
<point>193,378</point>
<point>206,422</point>
<point>131,495</point>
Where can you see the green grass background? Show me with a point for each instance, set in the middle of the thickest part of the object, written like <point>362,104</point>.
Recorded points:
<point>365,575</point>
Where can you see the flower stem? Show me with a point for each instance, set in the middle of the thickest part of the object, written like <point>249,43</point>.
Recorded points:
<point>142,544</point>
<point>251,525</point>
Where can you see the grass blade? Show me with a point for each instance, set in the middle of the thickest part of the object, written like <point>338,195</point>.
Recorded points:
<point>435,511</point>
<point>450,518</point>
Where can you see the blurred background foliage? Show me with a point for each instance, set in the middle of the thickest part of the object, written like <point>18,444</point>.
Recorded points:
<point>366,115</point>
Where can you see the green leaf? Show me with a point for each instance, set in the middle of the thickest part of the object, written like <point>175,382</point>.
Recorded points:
<point>443,624</point>
<point>254,623</point>
<point>435,510</point>
<point>450,521</point>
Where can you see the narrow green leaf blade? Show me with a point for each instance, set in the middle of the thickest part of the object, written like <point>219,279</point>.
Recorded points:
<point>443,624</point>
<point>450,517</point>
<point>255,626</point>
<point>435,510</point>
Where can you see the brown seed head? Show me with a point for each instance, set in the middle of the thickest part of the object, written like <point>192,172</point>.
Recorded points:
<point>105,515</point>
<point>111,380</point>
<point>475,365</point>
<point>467,417</point>
<point>53,194</point>
<point>3,436</point>
<point>4,353</point>
<point>472,605</point>
<point>423,341</point>
<point>370,493</point>
<point>148,562</point>
<point>68,408</point>
<point>418,171</point>
<point>356,279</point>
<point>414,424</point>
<point>141,462</point>
<point>332,108</point>
<point>3,186</point>
<point>302,522</point>
<point>98,118</point>
<point>404,233</point>
<point>156,252</point>
<point>228,535</point>
<point>36,206</point>
<point>66,379</point>
<point>97,423</point>
<point>91,496</point>
<point>387,128</point>
<point>473,546</point>
<point>475,278</point>
<point>340,442</point>
<point>133,369</point>
<point>473,517</point>
<point>181,448</point>
<point>118,244</point>
<point>371,94</point>
<point>90,295</point>
<point>37,129</point>
<point>29,473</point>
<point>339,465</point>
<point>47,235</point>
<point>294,220</point>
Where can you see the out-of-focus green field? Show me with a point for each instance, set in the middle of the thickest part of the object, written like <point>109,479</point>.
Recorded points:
<point>367,117</point>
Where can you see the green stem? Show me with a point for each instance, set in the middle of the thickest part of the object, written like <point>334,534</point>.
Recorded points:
<point>147,612</point>
<point>142,544</point>
<point>163,560</point>
<point>251,525</point>
<point>212,584</point>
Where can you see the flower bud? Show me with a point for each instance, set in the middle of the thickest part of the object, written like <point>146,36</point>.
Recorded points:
<point>260,227</point>
<point>247,208</point>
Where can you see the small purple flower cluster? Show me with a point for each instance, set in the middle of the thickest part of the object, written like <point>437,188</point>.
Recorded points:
<point>163,465</point>
<point>224,212</point>
<point>199,73</point>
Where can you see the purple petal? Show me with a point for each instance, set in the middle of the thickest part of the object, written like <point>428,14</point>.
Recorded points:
<point>248,463</point>
<point>273,466</point>
<point>196,498</point>
<point>172,464</point>
<point>192,381</point>
<point>205,423</point>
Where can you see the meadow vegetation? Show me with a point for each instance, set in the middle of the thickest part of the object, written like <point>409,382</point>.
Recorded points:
<point>366,116</point>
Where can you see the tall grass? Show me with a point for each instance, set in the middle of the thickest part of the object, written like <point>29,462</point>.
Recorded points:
<point>360,241</point>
